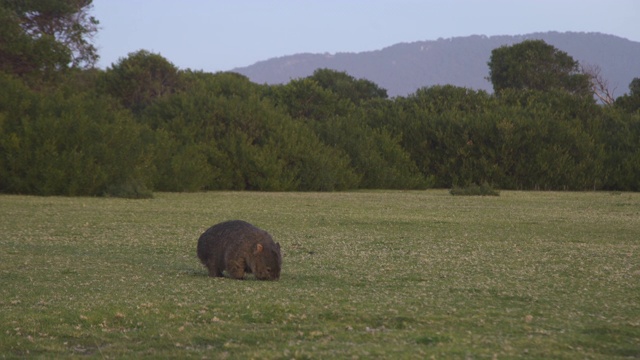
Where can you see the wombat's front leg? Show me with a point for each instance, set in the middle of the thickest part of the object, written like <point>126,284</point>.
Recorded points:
<point>236,268</point>
<point>214,271</point>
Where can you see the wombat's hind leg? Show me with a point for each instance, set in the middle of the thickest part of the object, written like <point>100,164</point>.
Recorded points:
<point>214,271</point>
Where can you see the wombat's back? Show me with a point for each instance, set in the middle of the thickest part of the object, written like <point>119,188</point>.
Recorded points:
<point>217,238</point>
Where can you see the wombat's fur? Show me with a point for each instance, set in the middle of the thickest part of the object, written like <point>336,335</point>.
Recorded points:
<point>238,247</point>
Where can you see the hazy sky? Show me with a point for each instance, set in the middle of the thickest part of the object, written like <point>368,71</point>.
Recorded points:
<point>218,35</point>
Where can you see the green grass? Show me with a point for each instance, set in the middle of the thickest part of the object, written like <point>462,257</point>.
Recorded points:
<point>378,274</point>
<point>475,190</point>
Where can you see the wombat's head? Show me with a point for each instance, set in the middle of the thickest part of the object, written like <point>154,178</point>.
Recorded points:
<point>267,261</point>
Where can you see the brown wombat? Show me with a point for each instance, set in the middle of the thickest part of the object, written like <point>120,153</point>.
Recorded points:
<point>238,247</point>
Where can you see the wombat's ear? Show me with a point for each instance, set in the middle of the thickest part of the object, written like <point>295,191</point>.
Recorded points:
<point>278,246</point>
<point>259,248</point>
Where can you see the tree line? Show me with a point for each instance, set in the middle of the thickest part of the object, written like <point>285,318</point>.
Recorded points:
<point>143,125</point>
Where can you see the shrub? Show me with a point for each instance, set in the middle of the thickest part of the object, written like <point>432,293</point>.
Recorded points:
<point>130,189</point>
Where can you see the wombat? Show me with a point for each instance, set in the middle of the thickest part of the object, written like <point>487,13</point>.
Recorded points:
<point>238,247</point>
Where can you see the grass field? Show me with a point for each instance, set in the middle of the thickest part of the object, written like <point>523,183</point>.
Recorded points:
<point>379,274</point>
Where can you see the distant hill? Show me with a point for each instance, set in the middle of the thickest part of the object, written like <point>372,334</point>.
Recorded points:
<point>403,68</point>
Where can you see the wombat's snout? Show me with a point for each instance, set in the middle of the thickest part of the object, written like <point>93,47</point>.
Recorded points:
<point>269,275</point>
<point>268,264</point>
<point>274,274</point>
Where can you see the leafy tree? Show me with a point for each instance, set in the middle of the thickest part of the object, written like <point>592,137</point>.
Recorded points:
<point>448,98</point>
<point>634,87</point>
<point>536,65</point>
<point>140,79</point>
<point>64,142</point>
<point>376,155</point>
<point>326,94</point>
<point>549,141</point>
<point>348,87</point>
<point>236,139</point>
<point>307,99</point>
<point>619,136</point>
<point>435,124</point>
<point>44,36</point>
<point>630,102</point>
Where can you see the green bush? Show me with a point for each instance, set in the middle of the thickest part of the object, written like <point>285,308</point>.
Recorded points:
<point>131,189</point>
<point>61,142</point>
<point>328,132</point>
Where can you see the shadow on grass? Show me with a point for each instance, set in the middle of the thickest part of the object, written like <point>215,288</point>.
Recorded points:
<point>190,271</point>
<point>432,340</point>
<point>202,273</point>
<point>613,341</point>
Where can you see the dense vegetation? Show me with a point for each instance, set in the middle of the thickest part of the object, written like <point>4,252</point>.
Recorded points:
<point>144,125</point>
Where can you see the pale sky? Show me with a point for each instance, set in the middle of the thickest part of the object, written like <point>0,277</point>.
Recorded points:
<point>217,35</point>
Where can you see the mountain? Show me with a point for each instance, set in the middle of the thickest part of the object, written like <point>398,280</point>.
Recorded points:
<point>403,68</point>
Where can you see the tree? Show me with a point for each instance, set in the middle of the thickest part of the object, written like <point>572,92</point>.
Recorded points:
<point>44,36</point>
<point>221,133</point>
<point>346,86</point>
<point>140,79</point>
<point>536,65</point>
<point>634,87</point>
<point>435,125</point>
<point>69,142</point>
<point>376,155</point>
<point>306,98</point>
<point>631,101</point>
<point>599,84</point>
